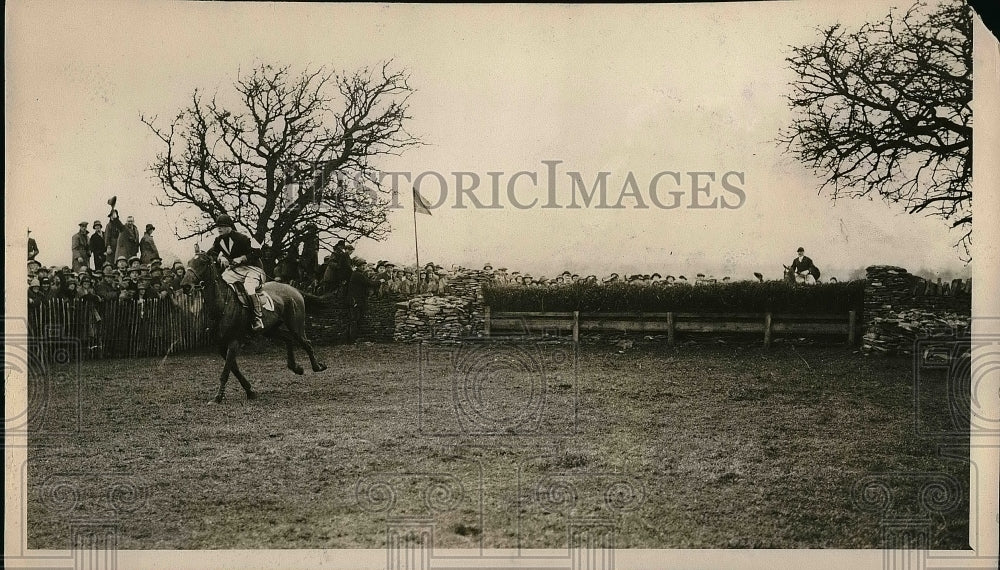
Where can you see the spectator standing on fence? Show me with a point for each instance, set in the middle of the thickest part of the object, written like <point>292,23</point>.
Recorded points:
<point>98,247</point>
<point>147,247</point>
<point>115,227</point>
<point>81,248</point>
<point>128,240</point>
<point>32,246</point>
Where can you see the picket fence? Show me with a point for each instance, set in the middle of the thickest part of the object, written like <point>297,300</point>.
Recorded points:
<point>116,328</point>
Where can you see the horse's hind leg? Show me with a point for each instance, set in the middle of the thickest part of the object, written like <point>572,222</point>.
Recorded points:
<point>300,338</point>
<point>290,348</point>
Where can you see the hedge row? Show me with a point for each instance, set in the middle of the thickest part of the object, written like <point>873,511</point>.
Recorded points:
<point>743,297</point>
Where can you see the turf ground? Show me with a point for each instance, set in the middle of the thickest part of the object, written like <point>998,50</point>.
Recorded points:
<point>702,446</point>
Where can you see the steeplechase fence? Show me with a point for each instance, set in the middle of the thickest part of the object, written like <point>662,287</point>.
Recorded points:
<point>116,328</point>
<point>572,323</point>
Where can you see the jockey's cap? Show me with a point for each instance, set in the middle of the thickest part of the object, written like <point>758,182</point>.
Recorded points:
<point>223,221</point>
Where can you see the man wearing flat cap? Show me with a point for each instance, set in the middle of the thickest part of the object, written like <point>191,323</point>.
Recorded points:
<point>147,247</point>
<point>81,248</point>
<point>98,247</point>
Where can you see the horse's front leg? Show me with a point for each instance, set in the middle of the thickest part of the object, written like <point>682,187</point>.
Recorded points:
<point>251,395</point>
<point>226,367</point>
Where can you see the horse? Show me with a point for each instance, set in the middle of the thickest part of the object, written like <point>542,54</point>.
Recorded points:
<point>285,323</point>
<point>793,278</point>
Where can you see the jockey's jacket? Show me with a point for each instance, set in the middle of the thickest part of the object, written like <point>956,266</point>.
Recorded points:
<point>236,245</point>
<point>805,264</point>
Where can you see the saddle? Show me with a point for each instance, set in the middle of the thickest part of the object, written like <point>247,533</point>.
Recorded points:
<point>266,302</point>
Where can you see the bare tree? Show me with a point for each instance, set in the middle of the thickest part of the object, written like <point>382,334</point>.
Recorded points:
<point>886,110</point>
<point>288,151</point>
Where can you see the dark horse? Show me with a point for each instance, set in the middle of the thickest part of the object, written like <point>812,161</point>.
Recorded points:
<point>233,320</point>
<point>798,279</point>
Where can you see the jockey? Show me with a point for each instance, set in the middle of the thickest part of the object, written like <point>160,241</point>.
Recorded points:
<point>241,263</point>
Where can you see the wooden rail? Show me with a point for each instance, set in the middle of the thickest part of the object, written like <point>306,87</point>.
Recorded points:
<point>670,323</point>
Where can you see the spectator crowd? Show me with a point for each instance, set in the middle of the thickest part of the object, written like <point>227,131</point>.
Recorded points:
<point>119,263</point>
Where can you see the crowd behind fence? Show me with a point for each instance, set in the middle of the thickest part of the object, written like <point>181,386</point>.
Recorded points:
<point>118,328</point>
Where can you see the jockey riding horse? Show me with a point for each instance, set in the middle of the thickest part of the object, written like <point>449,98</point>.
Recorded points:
<point>241,264</point>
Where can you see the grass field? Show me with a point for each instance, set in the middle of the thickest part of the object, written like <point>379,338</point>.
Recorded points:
<point>709,446</point>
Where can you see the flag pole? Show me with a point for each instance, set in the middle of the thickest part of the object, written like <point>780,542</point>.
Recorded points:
<point>416,246</point>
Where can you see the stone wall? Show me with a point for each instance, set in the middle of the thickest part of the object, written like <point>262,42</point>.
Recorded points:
<point>377,323</point>
<point>450,317</point>
<point>442,318</point>
<point>901,308</point>
<point>467,284</point>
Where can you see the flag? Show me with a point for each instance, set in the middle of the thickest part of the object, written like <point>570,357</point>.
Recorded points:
<point>419,205</point>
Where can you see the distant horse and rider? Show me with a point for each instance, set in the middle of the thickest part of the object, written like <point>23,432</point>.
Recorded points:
<point>802,271</point>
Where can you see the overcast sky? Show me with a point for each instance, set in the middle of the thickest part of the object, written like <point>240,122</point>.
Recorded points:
<point>619,89</point>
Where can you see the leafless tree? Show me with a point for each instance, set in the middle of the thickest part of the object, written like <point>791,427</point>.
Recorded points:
<point>885,111</point>
<point>284,151</point>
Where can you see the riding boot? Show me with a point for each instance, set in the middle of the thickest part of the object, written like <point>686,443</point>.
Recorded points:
<point>258,313</point>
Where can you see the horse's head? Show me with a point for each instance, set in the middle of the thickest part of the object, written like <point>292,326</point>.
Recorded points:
<point>199,270</point>
<point>790,276</point>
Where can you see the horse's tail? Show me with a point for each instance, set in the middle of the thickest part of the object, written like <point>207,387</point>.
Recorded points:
<point>316,303</point>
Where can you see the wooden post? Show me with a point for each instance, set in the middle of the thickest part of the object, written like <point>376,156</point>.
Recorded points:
<point>576,326</point>
<point>486,321</point>
<point>671,339</point>
<point>852,323</point>
<point>767,329</point>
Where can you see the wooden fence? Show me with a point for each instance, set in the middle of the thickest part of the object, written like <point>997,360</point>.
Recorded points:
<point>574,322</point>
<point>117,328</point>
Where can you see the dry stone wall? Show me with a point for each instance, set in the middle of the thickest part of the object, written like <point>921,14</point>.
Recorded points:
<point>449,317</point>
<point>901,308</point>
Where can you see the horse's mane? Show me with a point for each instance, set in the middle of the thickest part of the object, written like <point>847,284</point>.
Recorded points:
<point>218,293</point>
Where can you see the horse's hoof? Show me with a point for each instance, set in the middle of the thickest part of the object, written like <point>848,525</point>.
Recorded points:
<point>251,395</point>
<point>319,367</point>
<point>215,400</point>
<point>298,370</point>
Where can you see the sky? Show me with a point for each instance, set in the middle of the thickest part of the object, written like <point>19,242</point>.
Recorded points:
<point>619,89</point>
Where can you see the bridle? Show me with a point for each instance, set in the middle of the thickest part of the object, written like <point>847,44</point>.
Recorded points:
<point>196,285</point>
